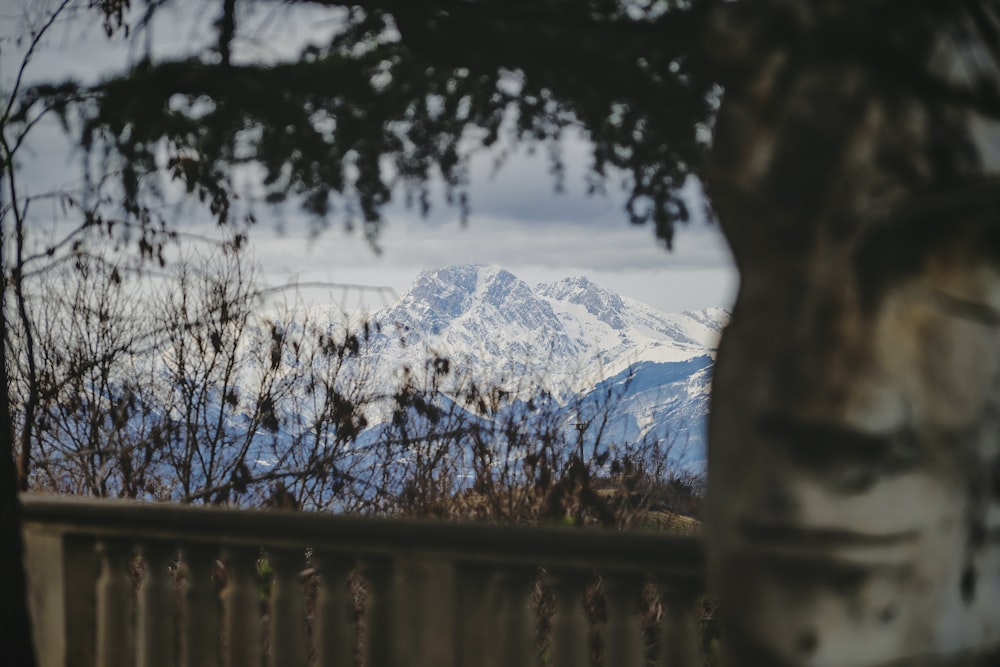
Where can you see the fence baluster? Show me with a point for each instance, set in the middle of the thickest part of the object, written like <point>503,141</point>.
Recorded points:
<point>241,605</point>
<point>515,637</point>
<point>114,605</point>
<point>570,629</point>
<point>333,627</point>
<point>288,618</point>
<point>680,635</point>
<point>379,631</point>
<point>157,608</point>
<point>423,611</point>
<point>623,630</point>
<point>200,638</point>
<point>81,574</point>
<point>473,616</point>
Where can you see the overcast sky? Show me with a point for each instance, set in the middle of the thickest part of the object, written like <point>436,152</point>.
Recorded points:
<point>517,220</point>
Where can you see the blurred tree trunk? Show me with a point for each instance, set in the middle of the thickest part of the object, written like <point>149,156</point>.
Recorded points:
<point>16,648</point>
<point>853,457</point>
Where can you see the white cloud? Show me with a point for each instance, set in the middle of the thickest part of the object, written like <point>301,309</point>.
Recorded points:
<point>696,274</point>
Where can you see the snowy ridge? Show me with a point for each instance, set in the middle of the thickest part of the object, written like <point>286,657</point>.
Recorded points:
<point>572,339</point>
<point>571,334</point>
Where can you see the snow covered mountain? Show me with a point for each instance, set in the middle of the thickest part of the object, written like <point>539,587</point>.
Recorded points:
<point>529,370</point>
<point>580,343</point>
<point>571,334</point>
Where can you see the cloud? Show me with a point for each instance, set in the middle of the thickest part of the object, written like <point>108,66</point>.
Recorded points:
<point>697,274</point>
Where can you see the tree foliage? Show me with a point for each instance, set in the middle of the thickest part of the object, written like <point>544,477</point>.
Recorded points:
<point>388,98</point>
<point>395,95</point>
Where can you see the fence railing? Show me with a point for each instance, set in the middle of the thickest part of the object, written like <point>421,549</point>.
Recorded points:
<point>119,583</point>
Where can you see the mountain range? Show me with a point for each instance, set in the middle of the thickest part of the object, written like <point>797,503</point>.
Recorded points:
<point>602,357</point>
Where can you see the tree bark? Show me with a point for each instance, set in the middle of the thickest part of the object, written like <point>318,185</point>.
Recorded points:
<point>16,647</point>
<point>853,449</point>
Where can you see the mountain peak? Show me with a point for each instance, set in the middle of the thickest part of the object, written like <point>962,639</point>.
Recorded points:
<point>478,299</point>
<point>603,304</point>
<point>453,290</point>
<point>571,328</point>
<point>465,279</point>
<point>568,338</point>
